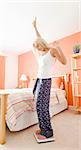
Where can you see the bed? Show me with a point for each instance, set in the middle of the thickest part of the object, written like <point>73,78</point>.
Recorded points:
<point>18,108</point>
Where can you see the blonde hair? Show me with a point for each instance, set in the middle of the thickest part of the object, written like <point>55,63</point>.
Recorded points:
<point>42,42</point>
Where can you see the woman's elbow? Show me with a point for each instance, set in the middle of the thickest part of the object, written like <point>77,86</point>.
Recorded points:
<point>64,62</point>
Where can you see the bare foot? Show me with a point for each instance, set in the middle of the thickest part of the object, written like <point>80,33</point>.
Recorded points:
<point>37,131</point>
<point>41,137</point>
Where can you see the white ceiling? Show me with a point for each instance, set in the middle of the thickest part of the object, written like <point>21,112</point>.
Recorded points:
<point>55,21</point>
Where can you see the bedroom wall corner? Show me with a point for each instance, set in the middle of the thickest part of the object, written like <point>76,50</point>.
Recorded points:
<point>11,71</point>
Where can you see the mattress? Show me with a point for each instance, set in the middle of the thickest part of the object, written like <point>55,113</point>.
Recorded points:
<point>19,113</point>
<point>17,90</point>
<point>28,119</point>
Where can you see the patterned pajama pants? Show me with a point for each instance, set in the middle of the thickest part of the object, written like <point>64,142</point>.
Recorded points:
<point>42,93</point>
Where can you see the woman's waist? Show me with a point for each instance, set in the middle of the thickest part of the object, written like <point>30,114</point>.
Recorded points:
<point>44,75</point>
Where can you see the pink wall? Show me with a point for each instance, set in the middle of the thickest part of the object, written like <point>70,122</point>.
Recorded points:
<point>28,65</point>
<point>27,61</point>
<point>80,37</point>
<point>67,44</point>
<point>2,72</point>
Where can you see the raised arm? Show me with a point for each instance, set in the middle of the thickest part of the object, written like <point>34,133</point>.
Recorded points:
<point>57,52</point>
<point>36,30</point>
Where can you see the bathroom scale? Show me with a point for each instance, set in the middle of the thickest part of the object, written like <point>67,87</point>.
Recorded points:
<point>51,139</point>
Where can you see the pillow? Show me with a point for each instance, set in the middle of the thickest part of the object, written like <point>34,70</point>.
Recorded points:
<point>58,82</point>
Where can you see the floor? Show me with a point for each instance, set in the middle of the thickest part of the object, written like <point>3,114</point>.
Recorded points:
<point>67,129</point>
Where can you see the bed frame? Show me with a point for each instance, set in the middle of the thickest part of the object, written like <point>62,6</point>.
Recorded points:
<point>4,106</point>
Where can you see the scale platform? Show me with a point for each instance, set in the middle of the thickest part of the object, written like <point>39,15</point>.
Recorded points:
<point>51,139</point>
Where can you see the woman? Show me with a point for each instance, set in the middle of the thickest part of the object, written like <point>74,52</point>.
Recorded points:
<point>46,56</point>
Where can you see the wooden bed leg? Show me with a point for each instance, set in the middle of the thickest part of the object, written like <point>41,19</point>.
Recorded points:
<point>2,119</point>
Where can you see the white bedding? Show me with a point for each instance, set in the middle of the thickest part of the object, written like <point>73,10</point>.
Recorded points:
<point>21,112</point>
<point>57,95</point>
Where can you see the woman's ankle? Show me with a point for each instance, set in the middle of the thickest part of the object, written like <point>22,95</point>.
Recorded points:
<point>47,134</point>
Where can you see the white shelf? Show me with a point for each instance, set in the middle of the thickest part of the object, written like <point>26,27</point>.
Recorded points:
<point>77,82</point>
<point>76,55</point>
<point>76,69</point>
<point>78,109</point>
<point>77,95</point>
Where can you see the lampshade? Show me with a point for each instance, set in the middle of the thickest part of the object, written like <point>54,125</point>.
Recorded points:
<point>23,77</point>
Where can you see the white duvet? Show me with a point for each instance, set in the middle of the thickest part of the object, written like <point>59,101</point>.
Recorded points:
<point>22,100</point>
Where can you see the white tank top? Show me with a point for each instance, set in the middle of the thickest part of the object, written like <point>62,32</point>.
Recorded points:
<point>45,65</point>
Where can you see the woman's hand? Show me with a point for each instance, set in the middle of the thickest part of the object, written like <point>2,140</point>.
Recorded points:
<point>56,44</point>
<point>34,22</point>
<point>35,27</point>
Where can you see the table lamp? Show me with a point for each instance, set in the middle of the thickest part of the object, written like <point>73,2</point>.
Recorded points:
<point>23,79</point>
